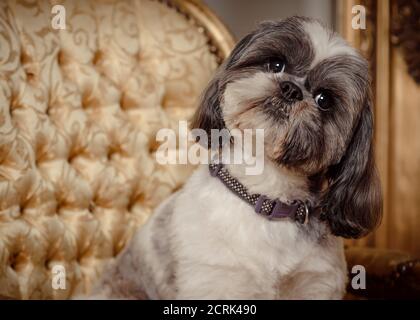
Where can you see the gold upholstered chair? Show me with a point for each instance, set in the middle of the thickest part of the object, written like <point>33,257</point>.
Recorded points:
<point>79,112</point>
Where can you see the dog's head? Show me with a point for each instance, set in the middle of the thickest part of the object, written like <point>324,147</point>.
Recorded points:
<point>310,92</point>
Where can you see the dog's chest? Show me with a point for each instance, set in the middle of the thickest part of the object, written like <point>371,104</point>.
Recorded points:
<point>218,228</point>
<point>223,248</point>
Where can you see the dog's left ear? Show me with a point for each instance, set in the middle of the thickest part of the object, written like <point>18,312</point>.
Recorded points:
<point>353,200</point>
<point>209,115</point>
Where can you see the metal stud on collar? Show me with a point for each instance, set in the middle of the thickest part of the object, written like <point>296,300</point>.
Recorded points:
<point>302,213</point>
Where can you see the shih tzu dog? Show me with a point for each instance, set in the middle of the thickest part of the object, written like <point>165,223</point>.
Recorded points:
<point>228,235</point>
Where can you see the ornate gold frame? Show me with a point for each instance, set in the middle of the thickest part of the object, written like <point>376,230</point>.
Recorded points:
<point>220,39</point>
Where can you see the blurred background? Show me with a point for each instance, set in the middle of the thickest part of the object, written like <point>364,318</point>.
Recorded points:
<point>242,16</point>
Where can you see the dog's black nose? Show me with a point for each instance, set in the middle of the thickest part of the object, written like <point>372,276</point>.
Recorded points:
<point>290,91</point>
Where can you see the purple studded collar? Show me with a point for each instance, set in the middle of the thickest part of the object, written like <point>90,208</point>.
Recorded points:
<point>272,209</point>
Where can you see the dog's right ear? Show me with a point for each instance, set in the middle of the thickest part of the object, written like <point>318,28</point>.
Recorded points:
<point>209,114</point>
<point>353,199</point>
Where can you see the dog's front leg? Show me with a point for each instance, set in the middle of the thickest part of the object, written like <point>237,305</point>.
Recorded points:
<point>321,276</point>
<point>219,282</point>
<point>312,286</point>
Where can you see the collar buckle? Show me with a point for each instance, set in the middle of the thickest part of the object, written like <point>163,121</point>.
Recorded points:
<point>302,212</point>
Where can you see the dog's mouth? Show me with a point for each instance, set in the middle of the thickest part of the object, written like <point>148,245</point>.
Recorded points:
<point>276,108</point>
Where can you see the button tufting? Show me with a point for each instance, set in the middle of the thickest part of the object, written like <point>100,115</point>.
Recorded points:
<point>84,102</point>
<point>97,57</point>
<point>91,207</point>
<point>13,260</point>
<point>28,65</point>
<point>61,58</point>
<point>17,261</point>
<point>110,154</point>
<point>154,146</point>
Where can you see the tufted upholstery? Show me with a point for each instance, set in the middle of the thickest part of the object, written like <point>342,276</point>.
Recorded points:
<point>79,110</point>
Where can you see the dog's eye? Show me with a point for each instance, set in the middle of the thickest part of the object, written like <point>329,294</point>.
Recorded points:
<point>276,65</point>
<point>323,100</point>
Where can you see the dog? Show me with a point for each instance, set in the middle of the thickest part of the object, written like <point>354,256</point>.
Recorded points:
<point>277,235</point>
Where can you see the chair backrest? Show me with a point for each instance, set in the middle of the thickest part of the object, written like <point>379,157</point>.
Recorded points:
<point>79,111</point>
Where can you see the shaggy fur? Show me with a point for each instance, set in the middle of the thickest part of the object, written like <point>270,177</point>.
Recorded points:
<point>205,242</point>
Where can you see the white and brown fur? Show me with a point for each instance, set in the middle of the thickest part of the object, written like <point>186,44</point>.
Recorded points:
<point>206,243</point>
